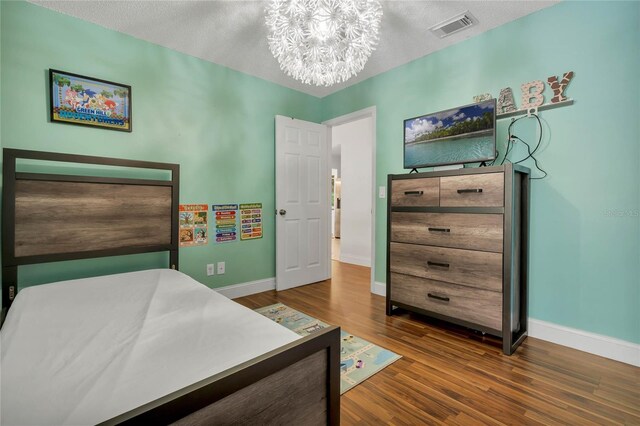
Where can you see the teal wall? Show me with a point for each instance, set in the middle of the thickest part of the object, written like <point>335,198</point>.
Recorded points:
<point>585,262</point>
<point>217,123</point>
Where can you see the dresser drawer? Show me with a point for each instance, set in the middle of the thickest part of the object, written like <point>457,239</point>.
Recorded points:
<point>467,267</point>
<point>457,230</point>
<point>415,192</point>
<point>468,304</point>
<point>478,190</point>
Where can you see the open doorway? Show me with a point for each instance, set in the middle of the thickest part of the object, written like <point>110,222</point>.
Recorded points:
<point>336,201</point>
<point>353,188</point>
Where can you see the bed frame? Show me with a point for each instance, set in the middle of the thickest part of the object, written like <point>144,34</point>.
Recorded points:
<point>49,217</point>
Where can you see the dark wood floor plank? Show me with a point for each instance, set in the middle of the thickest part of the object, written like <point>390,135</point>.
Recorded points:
<point>616,409</point>
<point>451,375</point>
<point>458,399</point>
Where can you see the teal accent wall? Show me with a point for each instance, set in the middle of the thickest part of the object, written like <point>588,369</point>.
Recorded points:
<point>585,229</point>
<point>218,124</point>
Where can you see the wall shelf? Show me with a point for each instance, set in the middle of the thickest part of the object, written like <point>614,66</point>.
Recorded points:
<point>540,108</point>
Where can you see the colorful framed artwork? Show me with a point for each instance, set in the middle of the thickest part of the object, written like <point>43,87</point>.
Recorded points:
<point>86,101</point>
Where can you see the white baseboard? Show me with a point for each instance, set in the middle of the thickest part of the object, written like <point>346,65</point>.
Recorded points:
<point>246,289</point>
<point>597,344</point>
<point>355,260</point>
<point>379,288</point>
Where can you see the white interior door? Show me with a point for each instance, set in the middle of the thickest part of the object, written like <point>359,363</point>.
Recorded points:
<point>302,203</point>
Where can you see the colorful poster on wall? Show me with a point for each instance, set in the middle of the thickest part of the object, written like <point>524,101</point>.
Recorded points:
<point>194,226</point>
<point>226,222</point>
<point>77,99</point>
<point>251,221</point>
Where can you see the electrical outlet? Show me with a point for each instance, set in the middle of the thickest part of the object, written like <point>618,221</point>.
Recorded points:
<point>210,269</point>
<point>382,192</point>
<point>220,268</point>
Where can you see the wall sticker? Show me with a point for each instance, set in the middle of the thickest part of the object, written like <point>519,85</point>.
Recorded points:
<point>194,227</point>
<point>226,225</point>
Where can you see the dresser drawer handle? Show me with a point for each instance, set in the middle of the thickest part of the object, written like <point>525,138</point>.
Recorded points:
<point>435,296</point>
<point>439,229</point>
<point>468,191</point>
<point>442,265</point>
<point>413,193</point>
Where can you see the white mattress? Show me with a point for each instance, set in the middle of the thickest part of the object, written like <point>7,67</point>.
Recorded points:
<point>83,351</point>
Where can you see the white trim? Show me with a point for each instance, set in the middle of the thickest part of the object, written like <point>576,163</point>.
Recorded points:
<point>329,235</point>
<point>379,288</point>
<point>597,344</point>
<point>355,260</point>
<point>353,116</point>
<point>246,289</point>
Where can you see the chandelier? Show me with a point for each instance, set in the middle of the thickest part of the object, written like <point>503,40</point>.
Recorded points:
<point>322,42</point>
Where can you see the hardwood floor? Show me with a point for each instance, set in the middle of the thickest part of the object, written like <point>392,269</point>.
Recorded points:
<point>450,375</point>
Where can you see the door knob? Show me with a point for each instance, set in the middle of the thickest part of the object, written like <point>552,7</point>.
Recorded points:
<point>282,212</point>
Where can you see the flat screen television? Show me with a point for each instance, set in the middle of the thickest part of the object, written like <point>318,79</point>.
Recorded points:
<point>460,135</point>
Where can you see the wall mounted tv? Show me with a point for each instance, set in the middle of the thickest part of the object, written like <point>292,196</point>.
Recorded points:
<point>460,135</point>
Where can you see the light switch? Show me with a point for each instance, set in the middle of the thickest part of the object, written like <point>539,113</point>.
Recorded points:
<point>382,192</point>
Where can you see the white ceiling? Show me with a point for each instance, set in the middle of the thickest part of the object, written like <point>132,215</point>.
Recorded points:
<point>232,33</point>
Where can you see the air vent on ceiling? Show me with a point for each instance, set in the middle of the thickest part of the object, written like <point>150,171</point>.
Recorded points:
<point>453,25</point>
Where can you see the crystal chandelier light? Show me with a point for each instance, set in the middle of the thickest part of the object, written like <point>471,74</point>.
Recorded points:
<point>322,42</point>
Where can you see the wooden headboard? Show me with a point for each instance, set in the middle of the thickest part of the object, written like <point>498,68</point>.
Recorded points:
<point>55,217</point>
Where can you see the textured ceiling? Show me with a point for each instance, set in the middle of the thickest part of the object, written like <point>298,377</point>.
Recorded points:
<point>233,33</point>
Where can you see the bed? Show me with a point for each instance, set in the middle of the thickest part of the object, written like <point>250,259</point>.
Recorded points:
<point>145,347</point>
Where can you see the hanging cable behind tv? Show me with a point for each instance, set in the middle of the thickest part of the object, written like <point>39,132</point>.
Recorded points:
<point>530,153</point>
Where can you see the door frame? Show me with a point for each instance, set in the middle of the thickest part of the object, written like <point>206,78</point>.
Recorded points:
<point>369,112</point>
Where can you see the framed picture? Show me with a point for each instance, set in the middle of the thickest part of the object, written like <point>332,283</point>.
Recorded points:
<point>86,101</point>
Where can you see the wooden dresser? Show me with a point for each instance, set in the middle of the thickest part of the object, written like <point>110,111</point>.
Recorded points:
<point>457,248</point>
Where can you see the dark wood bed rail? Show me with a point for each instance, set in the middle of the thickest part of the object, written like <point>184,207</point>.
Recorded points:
<point>298,383</point>
<point>43,217</point>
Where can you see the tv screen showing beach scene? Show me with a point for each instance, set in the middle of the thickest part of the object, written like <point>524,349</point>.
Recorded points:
<point>456,136</point>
